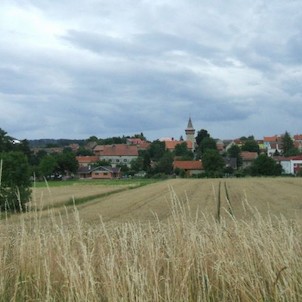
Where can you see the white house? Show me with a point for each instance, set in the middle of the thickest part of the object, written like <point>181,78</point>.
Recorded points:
<point>291,165</point>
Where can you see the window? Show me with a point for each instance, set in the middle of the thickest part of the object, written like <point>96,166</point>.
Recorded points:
<point>117,160</point>
<point>125,160</point>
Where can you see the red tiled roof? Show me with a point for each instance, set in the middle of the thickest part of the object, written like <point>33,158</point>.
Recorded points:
<point>246,155</point>
<point>143,145</point>
<point>298,137</point>
<point>270,138</point>
<point>87,159</point>
<point>170,145</point>
<point>297,157</point>
<point>135,141</point>
<point>188,164</point>
<point>98,148</point>
<point>120,150</point>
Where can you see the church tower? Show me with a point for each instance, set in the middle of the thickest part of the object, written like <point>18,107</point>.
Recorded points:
<point>190,133</point>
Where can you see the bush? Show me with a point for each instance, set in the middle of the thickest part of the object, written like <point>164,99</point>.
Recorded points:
<point>15,181</point>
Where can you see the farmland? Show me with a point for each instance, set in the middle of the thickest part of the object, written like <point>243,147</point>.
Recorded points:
<point>173,240</point>
<point>129,200</point>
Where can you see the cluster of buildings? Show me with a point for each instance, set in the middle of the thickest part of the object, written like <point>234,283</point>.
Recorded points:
<point>118,154</point>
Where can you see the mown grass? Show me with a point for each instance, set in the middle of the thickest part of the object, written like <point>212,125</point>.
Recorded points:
<point>107,182</point>
<point>187,257</point>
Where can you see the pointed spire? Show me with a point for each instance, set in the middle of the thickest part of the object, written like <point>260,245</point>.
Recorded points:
<point>190,125</point>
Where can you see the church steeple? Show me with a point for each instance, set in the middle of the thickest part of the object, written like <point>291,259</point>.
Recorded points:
<point>190,132</point>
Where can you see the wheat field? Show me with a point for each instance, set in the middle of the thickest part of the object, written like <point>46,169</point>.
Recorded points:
<point>176,240</point>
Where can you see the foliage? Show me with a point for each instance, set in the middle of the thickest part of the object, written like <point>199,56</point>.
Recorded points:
<point>212,161</point>
<point>201,134</point>
<point>84,152</point>
<point>48,165</point>
<point>165,163</point>
<point>234,152</point>
<point>250,145</point>
<point>288,145</point>
<point>266,166</point>
<point>67,163</point>
<point>15,181</point>
<point>182,151</point>
<point>156,150</point>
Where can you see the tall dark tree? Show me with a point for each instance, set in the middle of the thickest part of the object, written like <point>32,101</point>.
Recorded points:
<point>212,162</point>
<point>288,145</point>
<point>201,134</point>
<point>234,152</point>
<point>266,166</point>
<point>157,150</point>
<point>67,163</point>
<point>250,145</point>
<point>181,150</point>
<point>15,185</point>
<point>165,163</point>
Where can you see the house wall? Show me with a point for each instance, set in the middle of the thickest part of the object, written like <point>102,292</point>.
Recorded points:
<point>101,175</point>
<point>116,160</point>
<point>291,166</point>
<point>286,166</point>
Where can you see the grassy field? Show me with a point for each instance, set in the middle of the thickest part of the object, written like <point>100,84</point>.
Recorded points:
<point>174,240</point>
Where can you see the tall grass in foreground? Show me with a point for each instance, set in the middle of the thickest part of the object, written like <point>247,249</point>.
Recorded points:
<point>185,258</point>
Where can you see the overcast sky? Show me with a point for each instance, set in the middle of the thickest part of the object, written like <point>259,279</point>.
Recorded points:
<point>73,69</point>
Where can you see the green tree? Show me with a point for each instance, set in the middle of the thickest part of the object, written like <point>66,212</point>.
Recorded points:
<point>288,145</point>
<point>48,165</point>
<point>234,152</point>
<point>250,145</point>
<point>165,163</point>
<point>201,134</point>
<point>182,151</point>
<point>156,150</point>
<point>212,162</point>
<point>266,166</point>
<point>67,163</point>
<point>15,182</point>
<point>5,142</point>
<point>207,143</point>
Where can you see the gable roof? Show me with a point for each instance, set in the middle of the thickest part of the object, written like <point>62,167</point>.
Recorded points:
<point>120,150</point>
<point>87,159</point>
<point>188,164</point>
<point>88,170</point>
<point>298,137</point>
<point>246,155</point>
<point>170,145</point>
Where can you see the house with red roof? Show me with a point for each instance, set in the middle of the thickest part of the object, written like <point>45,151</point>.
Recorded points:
<point>298,141</point>
<point>291,165</point>
<point>273,144</point>
<point>171,144</point>
<point>119,154</point>
<point>85,161</point>
<point>191,167</point>
<point>248,158</point>
<point>101,172</point>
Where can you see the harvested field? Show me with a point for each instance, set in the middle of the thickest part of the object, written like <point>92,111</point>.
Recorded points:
<point>237,197</point>
<point>70,254</point>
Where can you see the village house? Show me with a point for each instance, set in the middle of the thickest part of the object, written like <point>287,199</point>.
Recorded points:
<point>190,167</point>
<point>101,172</point>
<point>290,165</point>
<point>171,143</point>
<point>273,144</point>
<point>298,141</point>
<point>119,154</point>
<point>248,158</point>
<point>85,161</point>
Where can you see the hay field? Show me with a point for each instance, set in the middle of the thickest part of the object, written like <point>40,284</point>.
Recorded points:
<point>148,244</point>
<point>240,197</point>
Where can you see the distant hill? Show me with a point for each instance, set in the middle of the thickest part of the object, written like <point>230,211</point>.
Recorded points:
<point>46,142</point>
